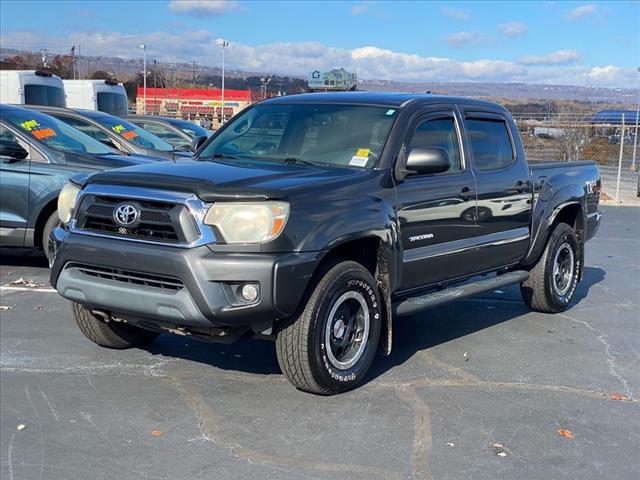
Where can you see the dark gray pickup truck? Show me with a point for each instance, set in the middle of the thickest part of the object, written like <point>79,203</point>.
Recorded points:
<point>317,219</point>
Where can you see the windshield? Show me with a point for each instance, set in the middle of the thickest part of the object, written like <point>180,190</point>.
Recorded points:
<point>44,95</point>
<point>190,128</point>
<point>53,133</point>
<point>112,103</point>
<point>132,133</point>
<point>341,135</point>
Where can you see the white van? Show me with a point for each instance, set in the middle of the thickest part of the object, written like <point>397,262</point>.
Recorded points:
<point>32,87</point>
<point>106,96</point>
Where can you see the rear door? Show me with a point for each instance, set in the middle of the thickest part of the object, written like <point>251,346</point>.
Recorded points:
<point>436,212</point>
<point>503,186</point>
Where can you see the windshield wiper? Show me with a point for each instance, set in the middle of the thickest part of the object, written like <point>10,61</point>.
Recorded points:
<point>296,160</point>
<point>222,155</point>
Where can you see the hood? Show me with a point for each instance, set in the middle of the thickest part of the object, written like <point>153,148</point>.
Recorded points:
<point>216,180</point>
<point>102,162</point>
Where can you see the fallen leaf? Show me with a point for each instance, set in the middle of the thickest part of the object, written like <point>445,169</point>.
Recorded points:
<point>27,283</point>
<point>565,433</point>
<point>22,426</point>
<point>18,281</point>
<point>5,307</point>
<point>502,454</point>
<point>614,395</point>
<point>40,307</point>
<point>451,444</point>
<point>496,445</point>
<point>157,433</point>
<point>465,356</point>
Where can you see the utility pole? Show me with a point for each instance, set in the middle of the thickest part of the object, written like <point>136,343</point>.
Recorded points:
<point>144,78</point>
<point>635,133</point>
<point>224,44</point>
<point>194,70</point>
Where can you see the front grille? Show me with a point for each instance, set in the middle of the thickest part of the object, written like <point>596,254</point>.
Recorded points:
<point>126,276</point>
<point>158,221</point>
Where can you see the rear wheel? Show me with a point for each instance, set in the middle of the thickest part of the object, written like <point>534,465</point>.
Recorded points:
<point>330,346</point>
<point>553,280</point>
<point>51,223</point>
<point>115,335</point>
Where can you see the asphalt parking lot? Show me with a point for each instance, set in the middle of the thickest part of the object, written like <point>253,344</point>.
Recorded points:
<point>477,389</point>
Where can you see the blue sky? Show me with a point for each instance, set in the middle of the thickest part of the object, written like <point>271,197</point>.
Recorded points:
<point>580,43</point>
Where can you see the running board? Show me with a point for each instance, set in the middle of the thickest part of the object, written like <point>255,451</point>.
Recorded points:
<point>430,300</point>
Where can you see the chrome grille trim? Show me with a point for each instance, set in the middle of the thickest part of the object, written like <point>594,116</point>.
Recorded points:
<point>196,208</point>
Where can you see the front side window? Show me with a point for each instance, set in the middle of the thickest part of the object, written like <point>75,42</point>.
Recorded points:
<point>438,133</point>
<point>132,133</point>
<point>85,127</point>
<point>165,133</point>
<point>112,103</point>
<point>490,143</point>
<point>327,134</point>
<point>44,95</point>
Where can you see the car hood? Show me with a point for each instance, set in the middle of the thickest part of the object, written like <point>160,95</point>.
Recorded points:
<point>215,180</point>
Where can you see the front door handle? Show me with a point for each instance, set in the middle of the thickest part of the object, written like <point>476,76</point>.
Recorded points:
<point>466,193</point>
<point>521,186</point>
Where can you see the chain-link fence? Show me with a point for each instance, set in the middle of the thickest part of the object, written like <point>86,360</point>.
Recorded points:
<point>610,138</point>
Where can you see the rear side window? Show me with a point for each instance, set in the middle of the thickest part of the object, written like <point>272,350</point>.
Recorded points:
<point>490,143</point>
<point>44,95</point>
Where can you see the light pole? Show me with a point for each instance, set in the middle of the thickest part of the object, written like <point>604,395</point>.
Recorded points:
<point>223,43</point>
<point>144,78</point>
<point>635,133</point>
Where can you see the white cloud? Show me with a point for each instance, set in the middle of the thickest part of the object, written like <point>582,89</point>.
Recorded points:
<point>361,7</point>
<point>204,8</point>
<point>369,62</point>
<point>465,39</point>
<point>560,57</point>
<point>581,12</point>
<point>513,29</point>
<point>456,14</point>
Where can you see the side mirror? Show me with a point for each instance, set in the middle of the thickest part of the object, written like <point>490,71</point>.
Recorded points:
<point>423,160</point>
<point>12,150</point>
<point>197,142</point>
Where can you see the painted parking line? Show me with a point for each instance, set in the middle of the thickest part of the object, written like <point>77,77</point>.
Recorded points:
<point>27,289</point>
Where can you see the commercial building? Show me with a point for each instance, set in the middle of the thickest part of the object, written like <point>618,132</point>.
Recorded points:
<point>194,103</point>
<point>336,79</point>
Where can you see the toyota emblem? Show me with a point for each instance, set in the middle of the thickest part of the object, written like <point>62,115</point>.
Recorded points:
<point>126,214</point>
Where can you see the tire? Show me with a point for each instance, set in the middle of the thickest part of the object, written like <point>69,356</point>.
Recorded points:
<point>318,351</point>
<point>114,335</point>
<point>51,223</point>
<point>544,291</point>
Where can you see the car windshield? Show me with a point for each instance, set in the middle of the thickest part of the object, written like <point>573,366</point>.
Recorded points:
<point>35,94</point>
<point>328,134</point>
<point>133,133</point>
<point>190,129</point>
<point>112,103</point>
<point>53,133</point>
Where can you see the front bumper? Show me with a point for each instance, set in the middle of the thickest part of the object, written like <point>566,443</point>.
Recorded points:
<point>201,304</point>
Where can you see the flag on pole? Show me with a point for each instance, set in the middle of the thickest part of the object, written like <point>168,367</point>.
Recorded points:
<point>73,51</point>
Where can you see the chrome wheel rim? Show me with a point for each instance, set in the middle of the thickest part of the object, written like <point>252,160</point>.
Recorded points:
<point>347,330</point>
<point>563,269</point>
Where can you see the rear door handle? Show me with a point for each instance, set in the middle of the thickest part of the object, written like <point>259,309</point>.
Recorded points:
<point>466,193</point>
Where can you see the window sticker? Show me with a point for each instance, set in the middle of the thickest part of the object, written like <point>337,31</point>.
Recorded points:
<point>390,112</point>
<point>118,128</point>
<point>43,133</point>
<point>29,125</point>
<point>130,135</point>
<point>363,152</point>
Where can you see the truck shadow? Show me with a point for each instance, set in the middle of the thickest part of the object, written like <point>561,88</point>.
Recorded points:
<point>412,334</point>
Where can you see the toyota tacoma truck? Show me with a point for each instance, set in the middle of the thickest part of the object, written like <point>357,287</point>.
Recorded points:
<point>317,220</point>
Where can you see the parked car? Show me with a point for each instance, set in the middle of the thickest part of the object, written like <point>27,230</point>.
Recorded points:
<point>182,134</point>
<point>300,220</point>
<point>115,132</point>
<point>38,154</point>
<point>33,87</point>
<point>107,96</point>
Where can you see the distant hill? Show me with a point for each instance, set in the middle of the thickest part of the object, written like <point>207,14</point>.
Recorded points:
<point>185,73</point>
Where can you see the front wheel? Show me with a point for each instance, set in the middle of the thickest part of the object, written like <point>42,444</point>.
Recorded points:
<point>330,346</point>
<point>553,280</point>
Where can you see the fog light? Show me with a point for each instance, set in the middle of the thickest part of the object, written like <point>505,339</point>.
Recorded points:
<point>249,292</point>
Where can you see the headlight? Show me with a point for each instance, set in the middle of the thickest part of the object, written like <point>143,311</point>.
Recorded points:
<point>67,202</point>
<point>248,222</point>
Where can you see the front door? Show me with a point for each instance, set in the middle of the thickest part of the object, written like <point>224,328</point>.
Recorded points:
<point>437,212</point>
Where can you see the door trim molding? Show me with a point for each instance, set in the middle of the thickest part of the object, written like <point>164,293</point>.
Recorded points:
<point>459,246</point>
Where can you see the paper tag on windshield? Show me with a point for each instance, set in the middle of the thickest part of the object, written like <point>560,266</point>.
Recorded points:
<point>358,161</point>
